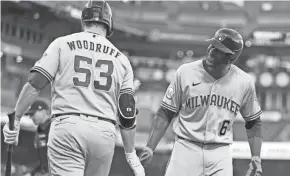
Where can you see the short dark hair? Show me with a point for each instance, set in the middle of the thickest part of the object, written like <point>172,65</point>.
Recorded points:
<point>94,23</point>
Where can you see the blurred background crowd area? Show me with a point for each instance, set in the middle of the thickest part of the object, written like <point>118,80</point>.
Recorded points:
<point>157,37</point>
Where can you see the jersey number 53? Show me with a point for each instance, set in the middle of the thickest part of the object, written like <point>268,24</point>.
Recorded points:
<point>88,74</point>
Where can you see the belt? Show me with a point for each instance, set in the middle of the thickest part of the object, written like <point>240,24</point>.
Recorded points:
<point>200,143</point>
<point>79,114</point>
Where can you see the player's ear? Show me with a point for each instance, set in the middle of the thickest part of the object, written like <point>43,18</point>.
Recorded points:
<point>231,59</point>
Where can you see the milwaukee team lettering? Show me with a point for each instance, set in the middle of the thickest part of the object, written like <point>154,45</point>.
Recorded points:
<point>213,100</point>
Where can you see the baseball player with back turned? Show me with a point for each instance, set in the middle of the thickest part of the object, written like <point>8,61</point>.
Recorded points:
<point>92,91</point>
<point>203,101</point>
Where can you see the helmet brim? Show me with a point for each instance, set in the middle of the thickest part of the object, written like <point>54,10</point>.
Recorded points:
<point>30,112</point>
<point>219,45</point>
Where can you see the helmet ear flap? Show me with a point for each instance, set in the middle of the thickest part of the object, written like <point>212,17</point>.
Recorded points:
<point>110,20</point>
<point>111,28</point>
<point>111,24</point>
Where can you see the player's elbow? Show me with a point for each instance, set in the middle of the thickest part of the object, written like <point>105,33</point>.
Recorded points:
<point>127,111</point>
<point>37,80</point>
<point>127,123</point>
<point>253,123</point>
<point>254,128</point>
<point>165,114</point>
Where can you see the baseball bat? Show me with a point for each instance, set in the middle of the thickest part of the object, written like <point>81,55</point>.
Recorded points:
<point>10,146</point>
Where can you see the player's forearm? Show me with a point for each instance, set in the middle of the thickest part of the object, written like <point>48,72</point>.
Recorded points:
<point>26,98</point>
<point>159,127</point>
<point>254,133</point>
<point>128,137</point>
<point>255,145</point>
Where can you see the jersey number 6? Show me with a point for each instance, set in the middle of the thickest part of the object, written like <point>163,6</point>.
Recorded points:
<point>224,127</point>
<point>88,73</point>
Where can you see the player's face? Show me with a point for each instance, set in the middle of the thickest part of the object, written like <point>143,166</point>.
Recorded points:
<point>38,117</point>
<point>216,57</point>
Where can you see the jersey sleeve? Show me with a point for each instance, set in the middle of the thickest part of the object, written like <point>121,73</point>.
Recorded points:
<point>49,62</point>
<point>128,82</point>
<point>172,97</point>
<point>250,109</point>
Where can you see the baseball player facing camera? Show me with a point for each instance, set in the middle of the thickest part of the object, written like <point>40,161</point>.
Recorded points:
<point>40,115</point>
<point>92,92</point>
<point>203,100</point>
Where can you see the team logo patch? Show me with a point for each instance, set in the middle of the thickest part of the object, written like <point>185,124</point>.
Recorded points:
<point>169,93</point>
<point>220,37</point>
<point>129,109</point>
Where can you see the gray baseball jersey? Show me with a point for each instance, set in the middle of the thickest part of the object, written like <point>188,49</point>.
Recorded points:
<point>205,107</point>
<point>87,73</point>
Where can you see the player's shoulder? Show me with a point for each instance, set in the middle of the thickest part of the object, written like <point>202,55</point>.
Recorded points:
<point>242,75</point>
<point>125,61</point>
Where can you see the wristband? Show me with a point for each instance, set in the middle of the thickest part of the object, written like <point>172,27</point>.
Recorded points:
<point>130,154</point>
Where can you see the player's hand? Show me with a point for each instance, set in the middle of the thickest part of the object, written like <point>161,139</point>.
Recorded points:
<point>255,167</point>
<point>146,156</point>
<point>135,164</point>
<point>40,170</point>
<point>11,136</point>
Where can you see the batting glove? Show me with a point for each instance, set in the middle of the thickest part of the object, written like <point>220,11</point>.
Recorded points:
<point>135,164</point>
<point>146,156</point>
<point>11,136</point>
<point>255,167</point>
